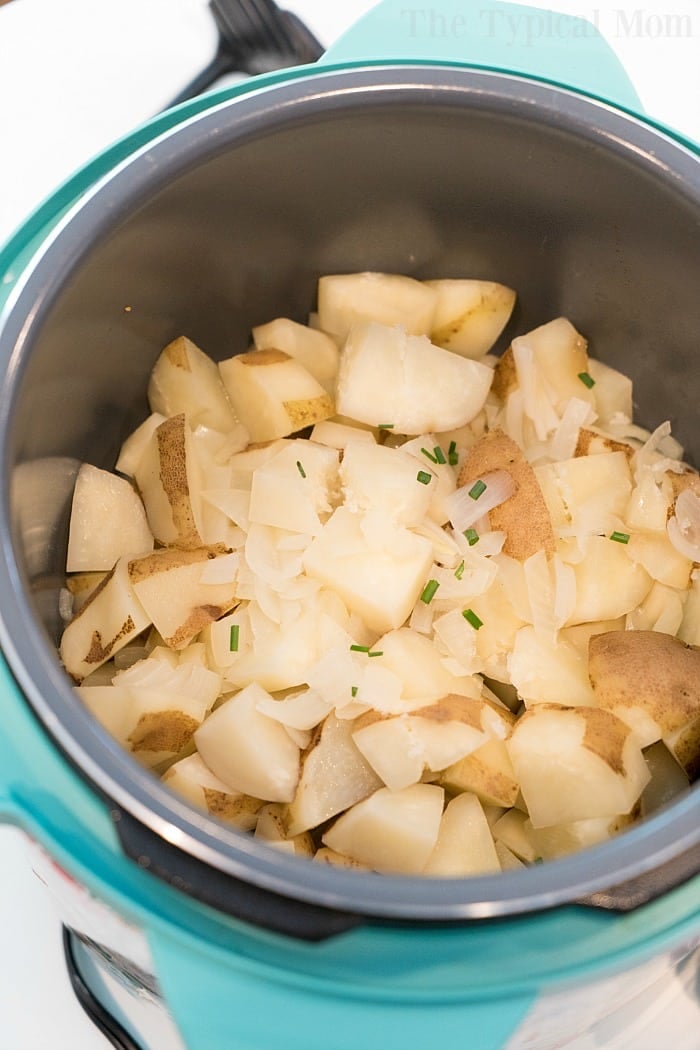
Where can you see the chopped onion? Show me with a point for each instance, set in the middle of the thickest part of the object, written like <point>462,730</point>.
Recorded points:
<point>577,414</point>
<point>564,591</point>
<point>458,639</point>
<point>422,617</point>
<point>464,509</point>
<point>540,591</point>
<point>65,605</point>
<point>684,526</point>
<point>537,396</point>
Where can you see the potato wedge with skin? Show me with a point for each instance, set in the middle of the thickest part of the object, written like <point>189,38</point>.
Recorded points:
<point>273,394</point>
<point>391,831</point>
<point>390,378</point>
<point>192,779</point>
<point>315,350</point>
<point>168,477</point>
<point>648,679</point>
<point>464,845</point>
<point>135,445</point>
<point>334,776</point>
<point>110,618</point>
<point>107,521</point>
<point>271,829</point>
<point>523,517</point>
<point>487,773</point>
<point>558,356</point>
<point>250,752</point>
<point>389,299</point>
<point>168,585</point>
<point>470,315</point>
<point>186,381</point>
<point>575,763</point>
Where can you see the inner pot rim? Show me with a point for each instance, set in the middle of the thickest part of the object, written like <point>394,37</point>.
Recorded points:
<point>103,763</point>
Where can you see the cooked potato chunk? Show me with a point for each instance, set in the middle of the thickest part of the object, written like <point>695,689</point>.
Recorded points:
<point>470,315</point>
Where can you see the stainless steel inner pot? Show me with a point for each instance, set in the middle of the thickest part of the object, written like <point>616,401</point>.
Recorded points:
<point>228,220</point>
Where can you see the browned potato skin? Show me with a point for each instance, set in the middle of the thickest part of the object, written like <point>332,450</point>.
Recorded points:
<point>647,669</point>
<point>505,376</point>
<point>590,442</point>
<point>524,517</point>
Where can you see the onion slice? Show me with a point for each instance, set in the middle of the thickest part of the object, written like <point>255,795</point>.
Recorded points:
<point>464,508</point>
<point>683,527</point>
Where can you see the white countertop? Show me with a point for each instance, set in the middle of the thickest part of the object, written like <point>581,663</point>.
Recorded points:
<point>80,73</point>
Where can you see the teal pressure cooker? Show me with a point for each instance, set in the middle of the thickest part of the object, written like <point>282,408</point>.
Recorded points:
<point>426,142</point>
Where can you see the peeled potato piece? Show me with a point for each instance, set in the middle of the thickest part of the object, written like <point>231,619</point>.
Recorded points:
<point>391,379</point>
<point>464,845</point>
<point>470,315</point>
<point>315,350</point>
<point>390,299</point>
<point>107,521</point>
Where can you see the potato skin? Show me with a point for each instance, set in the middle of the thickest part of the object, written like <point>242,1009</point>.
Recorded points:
<point>647,669</point>
<point>523,517</point>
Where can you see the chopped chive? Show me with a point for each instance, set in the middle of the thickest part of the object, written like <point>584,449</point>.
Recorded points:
<point>452,456</point>
<point>376,652</point>
<point>538,860</point>
<point>385,426</point>
<point>587,379</point>
<point>301,469</point>
<point>459,571</point>
<point>477,488</point>
<point>471,536</point>
<point>353,691</point>
<point>424,477</point>
<point>429,591</point>
<point>431,457</point>
<point>233,638</point>
<point>620,537</point>
<point>439,455</point>
<point>471,617</point>
<point>359,648</point>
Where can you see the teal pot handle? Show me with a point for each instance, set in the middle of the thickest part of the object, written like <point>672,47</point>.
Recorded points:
<point>490,34</point>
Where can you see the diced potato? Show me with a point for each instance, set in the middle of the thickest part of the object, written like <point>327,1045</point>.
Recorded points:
<point>575,763</point>
<point>111,617</point>
<point>273,394</point>
<point>135,445</point>
<point>613,391</point>
<point>389,299</point>
<point>338,435</point>
<point>523,517</point>
<point>81,586</point>
<point>392,379</point>
<point>559,354</point>
<point>514,831</point>
<point>250,752</point>
<point>295,488</point>
<point>168,477</point>
<point>594,490</point>
<point>191,778</point>
<point>425,449</point>
<point>334,776</point>
<point>112,706</point>
<point>649,504</point>
<point>384,479</point>
<point>657,556</point>
<point>315,350</point>
<point>186,381</point>
<point>668,778</point>
<point>391,831</point>
<point>661,610</point>
<point>324,855</point>
<point>417,664</point>
<point>507,859</point>
<point>487,772</point>
<point>107,521</point>
<point>648,679</point>
<point>549,671</point>
<point>168,585</point>
<point>380,577</point>
<point>608,583</point>
<point>464,845</point>
<point>560,840</point>
<point>470,315</point>
<point>271,829</point>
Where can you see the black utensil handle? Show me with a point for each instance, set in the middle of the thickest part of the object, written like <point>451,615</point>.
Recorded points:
<point>227,894</point>
<point>643,889</point>
<point>218,67</point>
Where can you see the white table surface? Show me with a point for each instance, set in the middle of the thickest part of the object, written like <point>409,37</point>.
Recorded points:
<point>75,75</point>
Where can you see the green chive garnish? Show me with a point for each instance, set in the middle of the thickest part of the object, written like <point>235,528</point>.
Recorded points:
<point>477,488</point>
<point>353,691</point>
<point>587,379</point>
<point>459,571</point>
<point>301,469</point>
<point>366,649</point>
<point>431,457</point>
<point>452,456</point>
<point>424,477</point>
<point>439,455</point>
<point>233,638</point>
<point>620,537</point>
<point>471,617</point>
<point>385,426</point>
<point>429,591</point>
<point>471,536</point>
